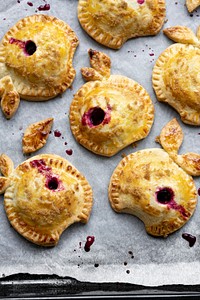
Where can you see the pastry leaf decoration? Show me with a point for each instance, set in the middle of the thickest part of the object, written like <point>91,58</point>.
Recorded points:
<point>36,135</point>
<point>100,66</point>
<point>181,34</point>
<point>171,138</point>
<point>6,169</point>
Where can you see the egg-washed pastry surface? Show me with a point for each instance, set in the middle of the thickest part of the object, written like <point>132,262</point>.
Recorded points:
<point>36,135</point>
<point>149,185</point>
<point>109,112</point>
<point>155,185</point>
<point>171,138</point>
<point>35,61</point>
<point>44,195</point>
<point>113,22</point>
<point>175,76</point>
<point>192,4</point>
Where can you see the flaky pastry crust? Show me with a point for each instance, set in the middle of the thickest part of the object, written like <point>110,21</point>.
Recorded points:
<point>46,194</point>
<point>36,135</point>
<point>171,138</point>
<point>109,114</point>
<point>192,4</point>
<point>37,54</point>
<point>149,185</point>
<point>176,74</point>
<point>113,22</point>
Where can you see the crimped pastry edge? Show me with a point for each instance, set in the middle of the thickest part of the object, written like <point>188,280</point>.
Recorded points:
<point>108,39</point>
<point>86,142</point>
<point>29,232</point>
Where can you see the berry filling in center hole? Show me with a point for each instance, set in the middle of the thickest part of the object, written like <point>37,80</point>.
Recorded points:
<point>97,116</point>
<point>94,116</point>
<point>30,47</point>
<point>53,183</point>
<point>165,195</point>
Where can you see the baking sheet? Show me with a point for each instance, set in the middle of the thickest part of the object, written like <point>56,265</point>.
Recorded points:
<point>122,250</point>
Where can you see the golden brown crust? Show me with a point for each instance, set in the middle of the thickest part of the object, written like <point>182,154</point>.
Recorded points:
<point>46,195</point>
<point>46,70</point>
<point>100,66</point>
<point>176,80</point>
<point>181,34</point>
<point>9,97</point>
<point>135,185</point>
<point>171,138</point>
<point>36,135</point>
<point>6,165</point>
<point>112,22</point>
<point>109,112</point>
<point>4,183</point>
<point>192,4</point>
<point>128,109</point>
<point>190,163</point>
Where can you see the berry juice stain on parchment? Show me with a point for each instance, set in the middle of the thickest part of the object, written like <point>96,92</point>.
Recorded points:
<point>90,240</point>
<point>191,239</point>
<point>58,134</point>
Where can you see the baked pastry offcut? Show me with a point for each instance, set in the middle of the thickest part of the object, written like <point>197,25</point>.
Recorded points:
<point>113,22</point>
<point>35,61</point>
<point>192,4</point>
<point>36,135</point>
<point>44,195</point>
<point>175,76</point>
<point>150,185</point>
<point>109,112</point>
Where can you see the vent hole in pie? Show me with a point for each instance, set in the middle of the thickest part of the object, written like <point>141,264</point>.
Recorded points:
<point>97,116</point>
<point>30,47</point>
<point>165,195</point>
<point>52,183</point>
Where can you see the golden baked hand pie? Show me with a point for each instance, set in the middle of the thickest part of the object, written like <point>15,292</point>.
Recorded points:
<point>113,22</point>
<point>175,76</point>
<point>44,195</point>
<point>192,4</point>
<point>109,113</point>
<point>150,185</point>
<point>36,58</point>
<point>36,135</point>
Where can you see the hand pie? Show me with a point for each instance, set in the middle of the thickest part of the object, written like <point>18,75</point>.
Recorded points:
<point>150,185</point>
<point>36,60</point>
<point>36,135</point>
<point>176,78</point>
<point>192,4</point>
<point>109,112</point>
<point>113,22</point>
<point>44,196</point>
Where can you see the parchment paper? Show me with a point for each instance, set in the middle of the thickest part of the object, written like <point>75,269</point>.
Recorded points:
<point>122,250</point>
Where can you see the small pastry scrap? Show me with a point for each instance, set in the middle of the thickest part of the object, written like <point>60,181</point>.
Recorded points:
<point>35,61</point>
<point>170,139</point>
<point>192,5</point>
<point>113,22</point>
<point>109,112</point>
<point>156,185</point>
<point>6,168</point>
<point>175,76</point>
<point>43,196</point>
<point>36,135</point>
